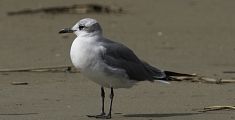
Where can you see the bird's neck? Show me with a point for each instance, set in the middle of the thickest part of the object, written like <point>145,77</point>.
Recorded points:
<point>88,40</point>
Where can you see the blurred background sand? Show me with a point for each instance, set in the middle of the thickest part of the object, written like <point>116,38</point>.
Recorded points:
<point>189,36</point>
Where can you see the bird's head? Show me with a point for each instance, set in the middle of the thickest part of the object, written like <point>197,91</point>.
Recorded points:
<point>84,27</point>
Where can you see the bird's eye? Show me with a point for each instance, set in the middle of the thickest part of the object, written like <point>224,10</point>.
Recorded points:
<point>81,27</point>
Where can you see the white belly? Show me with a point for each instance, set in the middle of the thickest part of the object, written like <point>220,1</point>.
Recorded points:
<point>99,76</point>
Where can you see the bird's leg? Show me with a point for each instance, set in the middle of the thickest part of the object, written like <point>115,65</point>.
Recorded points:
<point>102,115</point>
<point>103,96</point>
<point>102,109</point>
<point>111,104</point>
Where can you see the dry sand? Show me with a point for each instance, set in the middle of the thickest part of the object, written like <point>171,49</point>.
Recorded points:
<point>188,36</point>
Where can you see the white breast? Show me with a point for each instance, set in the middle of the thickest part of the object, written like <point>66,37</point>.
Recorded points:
<point>84,53</point>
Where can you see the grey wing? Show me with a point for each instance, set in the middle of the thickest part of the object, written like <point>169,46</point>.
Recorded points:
<point>119,56</point>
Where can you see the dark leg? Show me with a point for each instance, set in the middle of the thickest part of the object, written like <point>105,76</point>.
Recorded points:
<point>102,110</point>
<point>111,104</point>
<point>103,96</point>
<point>102,116</point>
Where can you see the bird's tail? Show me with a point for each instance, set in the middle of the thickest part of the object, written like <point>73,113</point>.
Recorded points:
<point>172,76</point>
<point>163,76</point>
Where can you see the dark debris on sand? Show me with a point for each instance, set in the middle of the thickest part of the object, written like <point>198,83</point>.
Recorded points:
<point>72,9</point>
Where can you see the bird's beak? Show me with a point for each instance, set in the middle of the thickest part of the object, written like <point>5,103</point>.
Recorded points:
<point>66,30</point>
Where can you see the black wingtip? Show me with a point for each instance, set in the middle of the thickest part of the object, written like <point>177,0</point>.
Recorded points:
<point>170,73</point>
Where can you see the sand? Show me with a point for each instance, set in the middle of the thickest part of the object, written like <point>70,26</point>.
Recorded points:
<point>188,36</point>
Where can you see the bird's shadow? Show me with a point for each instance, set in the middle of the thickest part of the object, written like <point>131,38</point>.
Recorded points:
<point>160,115</point>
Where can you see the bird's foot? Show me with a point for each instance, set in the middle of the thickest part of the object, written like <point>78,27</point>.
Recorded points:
<point>100,116</point>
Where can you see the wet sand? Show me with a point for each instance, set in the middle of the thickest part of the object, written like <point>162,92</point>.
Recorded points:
<point>184,36</point>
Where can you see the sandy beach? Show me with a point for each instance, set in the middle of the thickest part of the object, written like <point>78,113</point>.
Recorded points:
<point>188,36</point>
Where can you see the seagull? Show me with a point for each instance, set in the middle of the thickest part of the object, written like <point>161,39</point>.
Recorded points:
<point>108,63</point>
